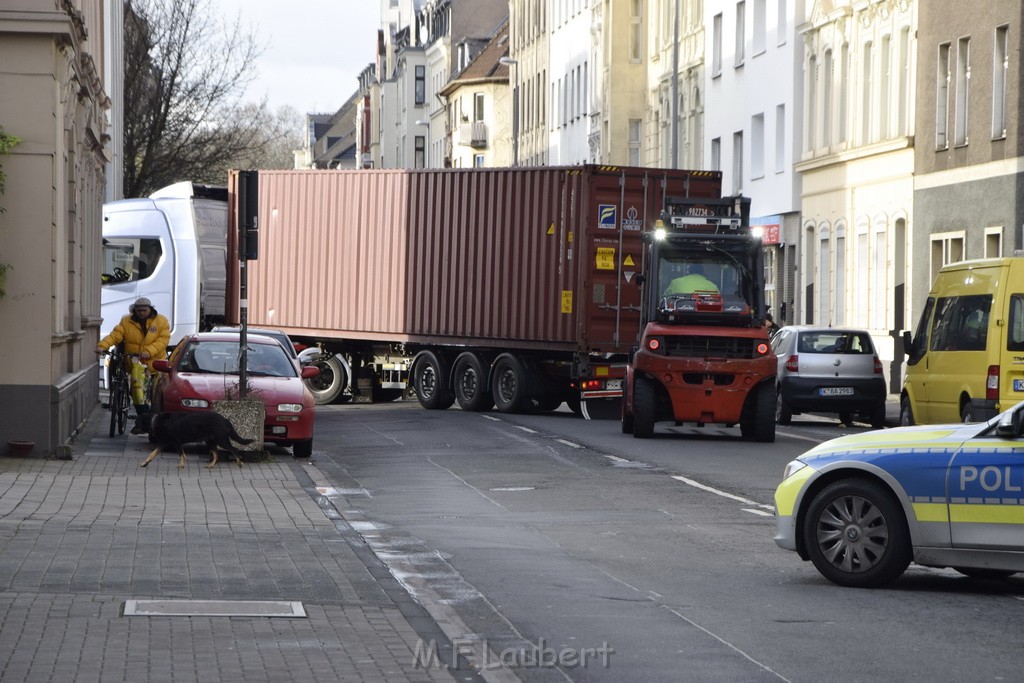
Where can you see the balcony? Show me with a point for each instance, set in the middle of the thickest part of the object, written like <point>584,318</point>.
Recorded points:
<point>473,134</point>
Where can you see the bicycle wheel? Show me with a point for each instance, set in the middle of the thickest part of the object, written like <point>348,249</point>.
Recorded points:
<point>124,404</point>
<point>114,402</point>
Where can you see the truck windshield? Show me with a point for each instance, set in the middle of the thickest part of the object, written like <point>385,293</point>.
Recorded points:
<point>130,259</point>
<point>694,282</point>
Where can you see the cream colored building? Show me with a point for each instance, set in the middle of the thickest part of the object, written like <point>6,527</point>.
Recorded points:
<point>857,166</point>
<point>528,38</point>
<point>687,67</point>
<point>51,77</point>
<point>479,109</point>
<point>620,89</point>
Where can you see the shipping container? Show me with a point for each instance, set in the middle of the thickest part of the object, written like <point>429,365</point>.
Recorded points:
<point>387,270</point>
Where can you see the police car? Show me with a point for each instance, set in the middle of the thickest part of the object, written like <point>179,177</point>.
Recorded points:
<point>862,507</point>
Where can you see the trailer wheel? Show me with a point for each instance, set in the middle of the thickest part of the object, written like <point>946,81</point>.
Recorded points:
<point>546,403</point>
<point>470,379</point>
<point>757,421</point>
<point>644,407</point>
<point>574,402</point>
<point>330,383</point>
<point>508,384</point>
<point>431,378</point>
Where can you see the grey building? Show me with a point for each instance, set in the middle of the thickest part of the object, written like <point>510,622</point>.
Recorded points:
<point>969,155</point>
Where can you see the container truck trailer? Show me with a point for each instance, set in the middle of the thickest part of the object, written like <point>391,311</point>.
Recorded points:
<point>506,288</point>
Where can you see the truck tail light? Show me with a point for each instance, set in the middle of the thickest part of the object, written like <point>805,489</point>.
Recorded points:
<point>878,366</point>
<point>763,348</point>
<point>591,385</point>
<point>654,344</point>
<point>992,383</point>
<point>791,364</point>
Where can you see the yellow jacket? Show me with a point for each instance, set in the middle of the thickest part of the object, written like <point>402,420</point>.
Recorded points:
<point>153,336</point>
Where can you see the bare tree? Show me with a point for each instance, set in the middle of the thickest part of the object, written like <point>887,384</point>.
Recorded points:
<point>185,74</point>
<point>281,133</point>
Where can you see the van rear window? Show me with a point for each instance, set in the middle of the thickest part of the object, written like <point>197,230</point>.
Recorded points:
<point>961,323</point>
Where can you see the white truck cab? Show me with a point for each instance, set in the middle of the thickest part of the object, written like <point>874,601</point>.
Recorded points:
<point>172,248</point>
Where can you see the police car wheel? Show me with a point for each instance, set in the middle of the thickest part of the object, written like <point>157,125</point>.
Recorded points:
<point>856,534</point>
<point>985,572</point>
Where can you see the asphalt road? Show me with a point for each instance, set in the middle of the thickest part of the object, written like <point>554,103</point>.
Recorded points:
<point>551,539</point>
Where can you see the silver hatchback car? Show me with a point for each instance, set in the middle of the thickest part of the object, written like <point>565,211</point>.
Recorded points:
<point>828,370</point>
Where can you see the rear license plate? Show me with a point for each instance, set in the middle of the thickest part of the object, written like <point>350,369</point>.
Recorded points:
<point>1018,385</point>
<point>835,391</point>
<point>613,385</point>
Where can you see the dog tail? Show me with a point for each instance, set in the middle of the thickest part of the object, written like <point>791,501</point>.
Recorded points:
<point>236,437</point>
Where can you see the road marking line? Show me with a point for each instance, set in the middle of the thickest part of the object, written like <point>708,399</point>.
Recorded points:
<point>705,487</point>
<point>569,443</point>
<point>526,429</point>
<point>693,623</point>
<point>617,458</point>
<point>488,417</point>
<point>762,513</point>
<point>800,436</point>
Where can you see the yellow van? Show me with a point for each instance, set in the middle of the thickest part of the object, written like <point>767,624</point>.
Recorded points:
<point>966,358</point>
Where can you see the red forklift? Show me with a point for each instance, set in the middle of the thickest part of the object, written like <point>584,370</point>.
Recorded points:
<point>704,356</point>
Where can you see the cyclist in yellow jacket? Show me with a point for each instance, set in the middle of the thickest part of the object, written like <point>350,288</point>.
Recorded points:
<point>145,333</point>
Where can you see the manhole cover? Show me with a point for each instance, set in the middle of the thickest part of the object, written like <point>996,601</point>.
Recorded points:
<point>213,608</point>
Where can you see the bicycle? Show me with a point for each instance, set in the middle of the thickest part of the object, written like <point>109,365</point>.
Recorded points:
<point>120,390</point>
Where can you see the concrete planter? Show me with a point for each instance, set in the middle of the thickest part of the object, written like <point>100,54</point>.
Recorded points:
<point>246,416</point>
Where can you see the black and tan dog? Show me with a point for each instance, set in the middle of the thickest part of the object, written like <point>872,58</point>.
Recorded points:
<point>177,429</point>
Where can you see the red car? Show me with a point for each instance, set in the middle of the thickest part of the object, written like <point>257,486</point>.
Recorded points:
<point>204,369</point>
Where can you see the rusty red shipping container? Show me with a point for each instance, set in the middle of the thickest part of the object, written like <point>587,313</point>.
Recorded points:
<point>538,258</point>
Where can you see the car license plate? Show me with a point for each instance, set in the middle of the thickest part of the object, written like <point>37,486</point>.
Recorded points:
<point>835,391</point>
<point>613,385</point>
<point>1018,385</point>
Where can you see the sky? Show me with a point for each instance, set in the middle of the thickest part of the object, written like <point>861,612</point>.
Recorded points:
<point>314,50</point>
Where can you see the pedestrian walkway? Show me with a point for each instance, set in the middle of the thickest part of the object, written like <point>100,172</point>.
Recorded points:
<point>79,538</point>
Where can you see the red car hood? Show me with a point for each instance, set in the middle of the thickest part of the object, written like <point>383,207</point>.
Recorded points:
<point>272,390</point>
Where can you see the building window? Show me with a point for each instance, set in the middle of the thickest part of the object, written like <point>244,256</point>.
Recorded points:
<point>943,77</point>
<point>812,103</point>
<point>757,146</point>
<point>737,162</point>
<point>963,86</point>
<point>903,90</point>
<point>844,92</point>
<point>883,90</point>
<point>634,142</point>
<point>421,84</point>
<point>826,100</point>
<point>421,149</point>
<point>867,95</point>
<point>478,161</point>
<point>760,27</point>
<point>1000,67</point>
<point>741,31</point>
<point>636,31</point>
<point>716,46</point>
<point>780,138</point>
<point>782,21</point>
<point>478,106</point>
<point>947,247</point>
<point>839,298</point>
<point>993,242</point>
<point>878,281</point>
<point>716,154</point>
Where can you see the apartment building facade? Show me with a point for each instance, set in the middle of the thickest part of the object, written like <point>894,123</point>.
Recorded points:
<point>51,55</point>
<point>969,182</point>
<point>857,169</point>
<point>753,114</point>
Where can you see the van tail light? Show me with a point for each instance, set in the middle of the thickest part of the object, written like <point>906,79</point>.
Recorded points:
<point>992,383</point>
<point>791,364</point>
<point>878,366</point>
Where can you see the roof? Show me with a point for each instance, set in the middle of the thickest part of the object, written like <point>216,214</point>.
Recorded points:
<point>486,66</point>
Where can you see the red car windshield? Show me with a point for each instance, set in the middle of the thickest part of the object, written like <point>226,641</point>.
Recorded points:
<point>221,357</point>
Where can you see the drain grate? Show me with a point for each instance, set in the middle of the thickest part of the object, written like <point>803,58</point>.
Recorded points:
<point>213,608</point>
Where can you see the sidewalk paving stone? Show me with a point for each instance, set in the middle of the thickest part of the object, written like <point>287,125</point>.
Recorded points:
<point>79,537</point>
